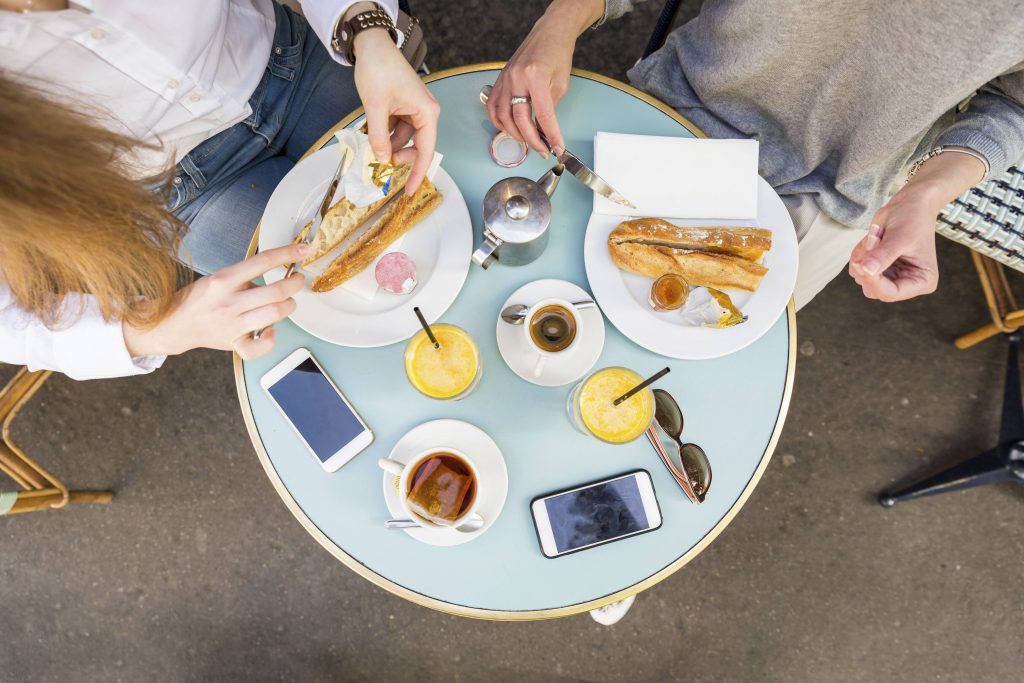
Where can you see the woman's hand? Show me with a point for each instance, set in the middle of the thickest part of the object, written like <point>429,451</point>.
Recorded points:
<point>539,70</point>
<point>220,311</point>
<point>398,105</point>
<point>896,259</point>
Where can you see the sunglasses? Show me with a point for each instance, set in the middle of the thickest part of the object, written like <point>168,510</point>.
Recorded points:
<point>695,477</point>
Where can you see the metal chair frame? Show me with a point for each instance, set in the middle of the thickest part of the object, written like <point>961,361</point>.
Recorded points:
<point>42,490</point>
<point>1005,462</point>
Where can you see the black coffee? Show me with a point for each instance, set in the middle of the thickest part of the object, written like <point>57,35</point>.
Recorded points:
<point>552,328</point>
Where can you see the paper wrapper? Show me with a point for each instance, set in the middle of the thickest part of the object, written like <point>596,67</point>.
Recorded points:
<point>711,308</point>
<point>357,180</point>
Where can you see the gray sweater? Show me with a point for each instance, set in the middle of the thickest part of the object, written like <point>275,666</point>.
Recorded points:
<point>844,95</point>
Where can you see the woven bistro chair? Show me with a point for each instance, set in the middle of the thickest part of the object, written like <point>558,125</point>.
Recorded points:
<point>41,490</point>
<point>988,219</point>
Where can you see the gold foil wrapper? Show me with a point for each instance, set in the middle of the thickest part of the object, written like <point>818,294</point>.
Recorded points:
<point>730,314</point>
<point>381,172</point>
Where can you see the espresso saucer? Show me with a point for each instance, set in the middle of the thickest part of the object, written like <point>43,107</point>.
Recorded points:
<point>472,441</point>
<point>568,366</point>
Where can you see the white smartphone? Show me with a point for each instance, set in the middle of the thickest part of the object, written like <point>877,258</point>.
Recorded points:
<point>596,513</point>
<point>316,410</point>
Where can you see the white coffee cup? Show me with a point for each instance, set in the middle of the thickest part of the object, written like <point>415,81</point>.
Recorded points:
<point>543,354</point>
<point>405,471</point>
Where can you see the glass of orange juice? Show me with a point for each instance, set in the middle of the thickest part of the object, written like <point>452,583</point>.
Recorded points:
<point>447,373</point>
<point>592,409</point>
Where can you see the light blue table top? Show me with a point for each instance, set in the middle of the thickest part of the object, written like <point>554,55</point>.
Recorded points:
<point>733,407</point>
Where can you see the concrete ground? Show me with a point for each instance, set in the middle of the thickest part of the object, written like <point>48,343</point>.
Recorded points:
<point>198,572</point>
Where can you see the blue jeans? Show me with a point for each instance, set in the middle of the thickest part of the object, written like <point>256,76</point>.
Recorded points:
<point>222,186</point>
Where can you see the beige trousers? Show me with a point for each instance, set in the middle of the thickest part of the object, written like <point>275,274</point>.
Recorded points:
<point>825,246</point>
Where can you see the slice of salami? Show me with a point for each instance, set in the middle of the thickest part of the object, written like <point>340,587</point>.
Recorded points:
<point>396,273</point>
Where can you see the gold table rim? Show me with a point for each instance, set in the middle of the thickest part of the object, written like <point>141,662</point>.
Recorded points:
<point>516,615</point>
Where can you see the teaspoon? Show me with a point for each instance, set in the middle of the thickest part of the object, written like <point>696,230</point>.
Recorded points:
<point>514,314</point>
<point>474,523</point>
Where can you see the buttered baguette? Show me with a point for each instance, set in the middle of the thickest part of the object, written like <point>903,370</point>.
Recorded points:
<point>344,218</point>
<point>397,219</point>
<point>747,243</point>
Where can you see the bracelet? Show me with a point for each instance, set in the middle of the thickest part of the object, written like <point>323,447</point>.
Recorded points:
<point>949,148</point>
<point>343,40</point>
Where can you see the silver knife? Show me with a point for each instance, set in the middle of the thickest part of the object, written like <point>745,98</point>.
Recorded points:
<point>573,164</point>
<point>309,231</point>
<point>586,176</point>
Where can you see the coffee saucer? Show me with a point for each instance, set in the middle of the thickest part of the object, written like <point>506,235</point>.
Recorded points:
<point>571,365</point>
<point>472,441</point>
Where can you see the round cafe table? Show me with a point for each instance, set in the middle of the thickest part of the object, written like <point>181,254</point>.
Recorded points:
<point>734,406</point>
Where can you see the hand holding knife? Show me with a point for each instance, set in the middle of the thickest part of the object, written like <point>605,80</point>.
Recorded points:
<point>309,231</point>
<point>575,166</point>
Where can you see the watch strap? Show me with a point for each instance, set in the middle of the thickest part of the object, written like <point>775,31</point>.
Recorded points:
<point>343,41</point>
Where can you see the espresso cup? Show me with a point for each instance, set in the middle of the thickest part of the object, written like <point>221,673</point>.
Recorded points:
<point>552,327</point>
<point>406,472</point>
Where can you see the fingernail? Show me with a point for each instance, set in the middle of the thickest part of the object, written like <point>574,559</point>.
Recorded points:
<point>871,266</point>
<point>875,230</point>
<point>305,249</point>
<point>557,150</point>
<point>871,242</point>
<point>381,155</point>
<point>544,155</point>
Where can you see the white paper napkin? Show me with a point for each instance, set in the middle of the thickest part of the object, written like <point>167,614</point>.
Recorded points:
<point>678,177</point>
<point>355,184</point>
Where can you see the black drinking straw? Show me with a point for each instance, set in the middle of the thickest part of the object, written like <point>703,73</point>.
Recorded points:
<point>643,385</point>
<point>426,328</point>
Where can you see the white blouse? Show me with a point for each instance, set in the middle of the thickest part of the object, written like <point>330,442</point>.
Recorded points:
<point>171,74</point>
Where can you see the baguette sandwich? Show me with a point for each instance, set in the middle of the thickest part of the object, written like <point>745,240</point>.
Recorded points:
<point>398,218</point>
<point>344,218</point>
<point>722,258</point>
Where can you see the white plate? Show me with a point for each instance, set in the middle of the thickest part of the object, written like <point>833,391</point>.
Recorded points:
<point>441,246</point>
<point>623,296</point>
<point>567,367</point>
<point>472,441</point>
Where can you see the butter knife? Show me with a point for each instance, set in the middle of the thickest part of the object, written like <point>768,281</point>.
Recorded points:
<point>586,176</point>
<point>574,165</point>
<point>310,230</point>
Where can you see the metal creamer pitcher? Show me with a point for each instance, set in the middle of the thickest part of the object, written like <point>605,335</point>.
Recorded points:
<point>517,213</point>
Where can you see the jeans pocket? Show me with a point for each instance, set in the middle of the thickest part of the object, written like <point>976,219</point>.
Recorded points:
<point>289,44</point>
<point>188,184</point>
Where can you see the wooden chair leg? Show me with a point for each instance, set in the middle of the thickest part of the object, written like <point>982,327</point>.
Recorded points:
<point>43,489</point>
<point>14,461</point>
<point>33,501</point>
<point>977,336</point>
<point>1002,307</point>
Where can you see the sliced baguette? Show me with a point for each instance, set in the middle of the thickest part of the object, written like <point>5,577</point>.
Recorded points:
<point>747,243</point>
<point>720,271</point>
<point>397,219</point>
<point>344,218</point>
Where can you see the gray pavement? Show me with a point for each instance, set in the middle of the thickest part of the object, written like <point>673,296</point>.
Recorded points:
<point>198,572</point>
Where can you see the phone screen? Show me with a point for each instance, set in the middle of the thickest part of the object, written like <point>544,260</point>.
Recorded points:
<point>316,409</point>
<point>597,513</point>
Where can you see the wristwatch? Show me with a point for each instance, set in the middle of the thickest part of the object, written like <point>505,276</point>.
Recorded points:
<point>345,32</point>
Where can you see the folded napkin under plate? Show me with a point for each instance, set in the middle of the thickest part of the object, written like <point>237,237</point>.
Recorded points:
<point>674,177</point>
